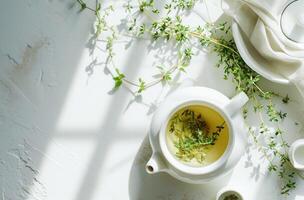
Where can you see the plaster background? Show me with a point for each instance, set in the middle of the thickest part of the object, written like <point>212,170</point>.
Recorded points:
<point>64,134</point>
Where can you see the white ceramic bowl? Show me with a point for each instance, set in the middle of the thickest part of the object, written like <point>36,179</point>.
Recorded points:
<point>226,191</point>
<point>296,154</point>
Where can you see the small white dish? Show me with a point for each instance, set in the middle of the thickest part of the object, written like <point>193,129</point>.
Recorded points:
<point>253,59</point>
<point>225,192</point>
<point>296,154</point>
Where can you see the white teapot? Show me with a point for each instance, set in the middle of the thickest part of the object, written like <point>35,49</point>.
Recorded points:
<point>163,160</point>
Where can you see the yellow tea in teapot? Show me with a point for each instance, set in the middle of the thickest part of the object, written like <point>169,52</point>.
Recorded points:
<point>197,135</point>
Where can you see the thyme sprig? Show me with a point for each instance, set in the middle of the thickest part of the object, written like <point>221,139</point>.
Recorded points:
<point>276,149</point>
<point>218,40</point>
<point>193,135</point>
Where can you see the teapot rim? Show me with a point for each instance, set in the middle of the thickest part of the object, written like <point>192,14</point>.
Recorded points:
<point>193,170</point>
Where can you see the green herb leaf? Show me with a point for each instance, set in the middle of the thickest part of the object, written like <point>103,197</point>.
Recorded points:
<point>286,99</point>
<point>82,5</point>
<point>142,86</point>
<point>118,79</point>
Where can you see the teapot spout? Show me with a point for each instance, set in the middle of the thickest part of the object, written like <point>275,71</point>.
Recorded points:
<point>155,164</point>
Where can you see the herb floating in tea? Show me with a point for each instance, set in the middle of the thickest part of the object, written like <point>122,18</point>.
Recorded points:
<point>193,135</point>
<point>217,38</point>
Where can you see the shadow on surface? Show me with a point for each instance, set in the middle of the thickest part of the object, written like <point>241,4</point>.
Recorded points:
<point>34,82</point>
<point>143,186</point>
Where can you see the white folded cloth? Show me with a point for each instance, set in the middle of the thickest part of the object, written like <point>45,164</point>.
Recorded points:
<point>260,22</point>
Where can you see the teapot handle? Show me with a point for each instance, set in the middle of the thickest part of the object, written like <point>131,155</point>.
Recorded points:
<point>236,103</point>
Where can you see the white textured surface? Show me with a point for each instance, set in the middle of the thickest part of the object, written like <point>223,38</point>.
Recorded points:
<point>64,134</point>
